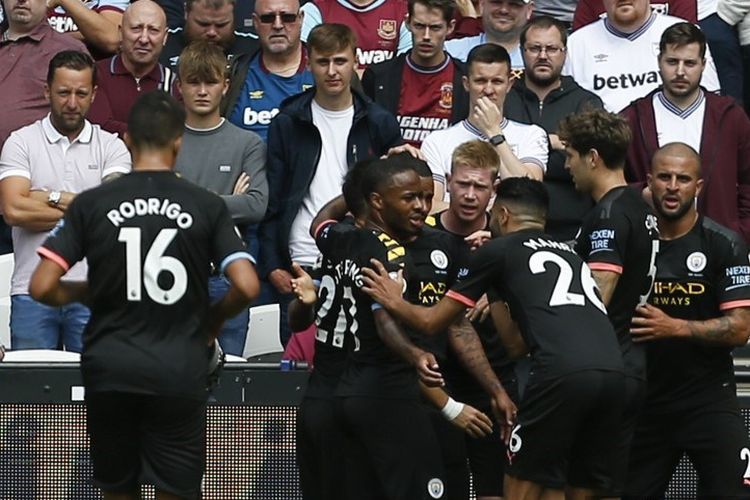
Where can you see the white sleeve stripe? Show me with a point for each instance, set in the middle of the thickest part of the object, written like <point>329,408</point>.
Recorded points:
<point>235,256</point>
<point>534,161</point>
<point>16,172</point>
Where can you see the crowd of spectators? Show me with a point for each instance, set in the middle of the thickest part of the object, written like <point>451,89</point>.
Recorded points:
<point>283,129</point>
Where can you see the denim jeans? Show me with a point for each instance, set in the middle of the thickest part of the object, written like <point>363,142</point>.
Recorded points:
<point>725,49</point>
<point>234,332</point>
<point>34,325</point>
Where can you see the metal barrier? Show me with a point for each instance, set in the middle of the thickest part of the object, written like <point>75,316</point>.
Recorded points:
<point>250,439</point>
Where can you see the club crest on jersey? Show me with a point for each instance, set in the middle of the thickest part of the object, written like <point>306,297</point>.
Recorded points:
<point>446,96</point>
<point>435,488</point>
<point>387,29</point>
<point>439,259</point>
<point>696,262</point>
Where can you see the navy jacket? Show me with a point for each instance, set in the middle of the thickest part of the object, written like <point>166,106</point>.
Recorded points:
<point>294,147</point>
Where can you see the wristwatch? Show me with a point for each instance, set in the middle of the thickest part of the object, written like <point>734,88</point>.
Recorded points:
<point>54,198</point>
<point>498,139</point>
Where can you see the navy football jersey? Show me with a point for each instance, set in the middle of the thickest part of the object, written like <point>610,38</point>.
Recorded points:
<point>552,296</point>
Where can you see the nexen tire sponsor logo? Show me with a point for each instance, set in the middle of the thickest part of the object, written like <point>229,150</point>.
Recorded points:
<point>625,81</point>
<point>251,117</point>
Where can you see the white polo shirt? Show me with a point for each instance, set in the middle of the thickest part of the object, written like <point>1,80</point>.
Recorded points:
<point>38,152</point>
<point>528,143</point>
<point>621,67</point>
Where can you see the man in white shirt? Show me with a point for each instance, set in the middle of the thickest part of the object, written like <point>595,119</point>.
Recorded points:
<point>42,168</point>
<point>615,57</point>
<point>523,149</point>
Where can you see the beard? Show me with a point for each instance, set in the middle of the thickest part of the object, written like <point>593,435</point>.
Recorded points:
<point>544,80</point>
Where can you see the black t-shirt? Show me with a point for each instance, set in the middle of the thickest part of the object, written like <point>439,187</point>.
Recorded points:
<point>552,296</point>
<point>461,383</point>
<point>436,257</point>
<point>370,369</point>
<point>150,239</point>
<point>699,275</point>
<point>620,235</point>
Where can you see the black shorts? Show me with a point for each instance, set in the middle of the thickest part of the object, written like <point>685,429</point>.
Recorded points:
<point>143,439</point>
<point>487,460</point>
<point>715,439</point>
<point>633,397</point>
<point>391,450</point>
<point>320,453</point>
<point>567,431</point>
<point>450,439</point>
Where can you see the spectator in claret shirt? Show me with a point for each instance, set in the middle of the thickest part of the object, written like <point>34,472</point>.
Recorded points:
<point>135,70</point>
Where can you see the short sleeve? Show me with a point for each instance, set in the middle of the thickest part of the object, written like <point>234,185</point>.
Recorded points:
<point>227,243</point>
<point>733,281</point>
<point>431,150</point>
<point>485,268</point>
<point>15,160</point>
<point>534,148</point>
<point>602,244</point>
<point>117,160</point>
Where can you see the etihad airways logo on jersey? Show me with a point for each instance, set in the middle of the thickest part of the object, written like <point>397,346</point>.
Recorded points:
<point>264,117</point>
<point>368,57</point>
<point>625,80</point>
<point>676,294</point>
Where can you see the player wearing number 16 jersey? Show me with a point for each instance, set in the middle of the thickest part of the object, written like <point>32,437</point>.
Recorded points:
<point>619,240</point>
<point>149,238</point>
<point>564,435</point>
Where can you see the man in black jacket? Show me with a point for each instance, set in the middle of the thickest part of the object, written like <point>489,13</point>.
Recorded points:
<point>422,87</point>
<point>312,142</point>
<point>543,97</point>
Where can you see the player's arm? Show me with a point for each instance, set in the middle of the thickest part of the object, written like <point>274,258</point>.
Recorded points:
<point>335,209</point>
<point>302,308</point>
<point>46,287</point>
<point>508,330</point>
<point>244,288</point>
<point>731,329</point>
<point>465,343</point>
<point>472,421</point>
<point>24,208</point>
<point>606,281</point>
<point>387,292</point>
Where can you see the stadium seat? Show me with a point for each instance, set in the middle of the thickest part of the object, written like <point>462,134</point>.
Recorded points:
<point>41,356</point>
<point>263,331</point>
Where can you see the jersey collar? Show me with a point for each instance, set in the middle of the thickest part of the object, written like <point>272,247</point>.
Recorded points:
<point>635,34</point>
<point>428,70</point>
<point>471,128</point>
<point>682,113</point>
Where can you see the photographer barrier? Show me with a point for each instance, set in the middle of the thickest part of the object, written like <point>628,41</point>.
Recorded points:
<point>251,434</point>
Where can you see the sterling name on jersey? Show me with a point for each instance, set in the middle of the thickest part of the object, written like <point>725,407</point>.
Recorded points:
<point>620,235</point>
<point>426,100</point>
<point>621,67</point>
<point>699,276</point>
<point>552,296</point>
<point>149,238</point>
<point>344,314</point>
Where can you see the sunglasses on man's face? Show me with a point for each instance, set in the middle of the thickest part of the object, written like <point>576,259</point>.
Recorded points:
<point>286,17</point>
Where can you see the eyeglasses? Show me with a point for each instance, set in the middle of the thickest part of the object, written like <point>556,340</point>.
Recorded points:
<point>551,50</point>
<point>286,17</point>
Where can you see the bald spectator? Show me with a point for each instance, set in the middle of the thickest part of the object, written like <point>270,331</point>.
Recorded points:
<point>615,56</point>
<point>135,70</point>
<point>94,22</point>
<point>211,20</point>
<point>503,22</point>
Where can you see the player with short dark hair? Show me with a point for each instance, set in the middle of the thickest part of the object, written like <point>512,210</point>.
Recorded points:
<point>619,241</point>
<point>149,238</point>
<point>699,310</point>
<point>563,438</point>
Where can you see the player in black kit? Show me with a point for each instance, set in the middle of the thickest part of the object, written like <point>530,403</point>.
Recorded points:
<point>149,238</point>
<point>571,406</point>
<point>619,240</point>
<point>698,311</point>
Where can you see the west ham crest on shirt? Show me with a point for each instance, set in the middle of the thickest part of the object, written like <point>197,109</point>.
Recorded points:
<point>446,96</point>
<point>387,29</point>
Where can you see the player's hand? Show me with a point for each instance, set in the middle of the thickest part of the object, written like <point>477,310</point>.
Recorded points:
<point>381,286</point>
<point>467,9</point>
<point>651,323</point>
<point>505,413</point>
<point>242,184</point>
<point>480,311</point>
<point>428,370</point>
<point>281,280</point>
<point>303,286</point>
<point>478,238</point>
<point>53,4</point>
<point>405,148</point>
<point>475,423</point>
<point>486,116</point>
<point>555,142</point>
